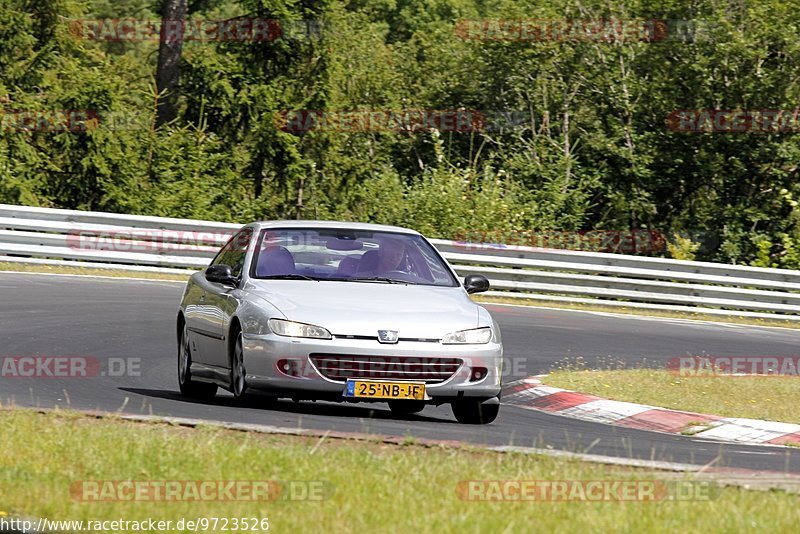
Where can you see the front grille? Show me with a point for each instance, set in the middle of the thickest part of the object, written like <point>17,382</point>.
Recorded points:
<point>340,367</point>
<point>402,339</point>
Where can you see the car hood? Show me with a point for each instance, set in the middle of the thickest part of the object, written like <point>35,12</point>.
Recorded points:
<point>363,308</point>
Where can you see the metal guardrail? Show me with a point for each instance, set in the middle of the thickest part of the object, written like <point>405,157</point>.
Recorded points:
<point>158,244</point>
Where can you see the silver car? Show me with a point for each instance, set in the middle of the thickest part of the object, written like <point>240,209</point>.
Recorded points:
<point>342,312</point>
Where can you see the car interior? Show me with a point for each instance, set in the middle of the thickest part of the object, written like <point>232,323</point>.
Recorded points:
<point>335,260</point>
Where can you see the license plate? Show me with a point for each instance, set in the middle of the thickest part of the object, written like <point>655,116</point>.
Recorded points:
<point>373,389</point>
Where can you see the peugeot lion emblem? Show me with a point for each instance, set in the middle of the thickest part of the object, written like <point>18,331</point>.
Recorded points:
<point>387,336</point>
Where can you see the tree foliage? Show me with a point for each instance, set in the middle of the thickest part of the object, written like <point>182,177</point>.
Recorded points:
<point>588,146</point>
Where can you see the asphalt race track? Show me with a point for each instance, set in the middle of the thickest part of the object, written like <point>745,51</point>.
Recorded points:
<point>124,319</point>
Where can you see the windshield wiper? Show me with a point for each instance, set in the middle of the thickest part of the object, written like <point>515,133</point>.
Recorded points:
<point>378,279</point>
<point>289,277</point>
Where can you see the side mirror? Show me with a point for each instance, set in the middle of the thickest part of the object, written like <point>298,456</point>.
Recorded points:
<point>476,283</point>
<point>220,274</point>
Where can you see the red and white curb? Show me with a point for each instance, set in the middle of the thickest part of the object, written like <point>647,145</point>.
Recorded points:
<point>532,394</point>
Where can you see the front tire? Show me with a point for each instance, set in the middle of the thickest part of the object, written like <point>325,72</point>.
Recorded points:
<point>470,412</point>
<point>238,372</point>
<point>189,387</point>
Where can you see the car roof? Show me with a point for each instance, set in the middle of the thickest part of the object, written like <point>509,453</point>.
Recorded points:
<point>336,225</point>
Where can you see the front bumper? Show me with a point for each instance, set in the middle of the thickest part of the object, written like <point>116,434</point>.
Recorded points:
<point>262,354</point>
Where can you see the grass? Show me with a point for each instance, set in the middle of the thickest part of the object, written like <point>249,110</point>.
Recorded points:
<point>115,273</point>
<point>772,398</point>
<point>755,321</point>
<point>371,486</point>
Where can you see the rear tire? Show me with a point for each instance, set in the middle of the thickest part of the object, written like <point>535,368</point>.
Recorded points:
<point>189,387</point>
<point>471,412</point>
<point>406,407</point>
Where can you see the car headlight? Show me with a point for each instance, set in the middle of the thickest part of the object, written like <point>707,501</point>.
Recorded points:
<point>293,329</point>
<point>476,336</point>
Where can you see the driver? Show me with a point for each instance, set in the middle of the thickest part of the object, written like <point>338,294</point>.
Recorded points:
<point>391,255</point>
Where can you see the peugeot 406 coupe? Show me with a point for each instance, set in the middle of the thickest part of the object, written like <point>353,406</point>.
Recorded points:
<point>346,312</point>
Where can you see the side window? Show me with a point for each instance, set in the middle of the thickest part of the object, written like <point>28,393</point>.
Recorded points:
<point>234,252</point>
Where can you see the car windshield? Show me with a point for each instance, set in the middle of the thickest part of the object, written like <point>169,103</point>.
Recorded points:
<point>356,256</point>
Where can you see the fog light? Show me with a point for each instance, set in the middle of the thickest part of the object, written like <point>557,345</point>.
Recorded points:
<point>289,367</point>
<point>478,373</point>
